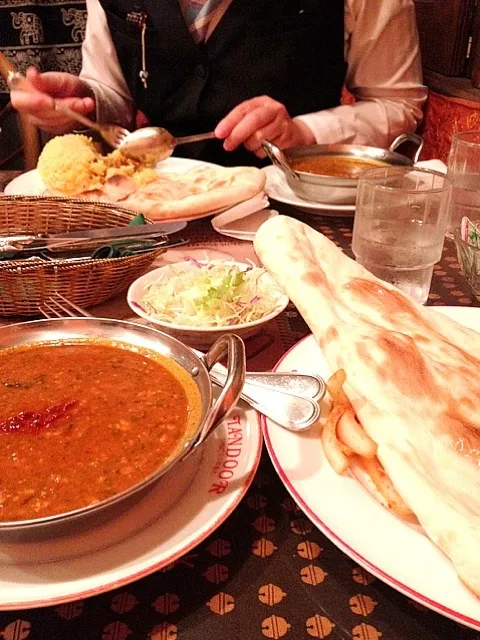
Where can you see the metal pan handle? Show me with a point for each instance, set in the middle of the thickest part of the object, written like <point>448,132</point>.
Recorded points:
<point>232,346</point>
<point>409,137</point>
<point>278,158</point>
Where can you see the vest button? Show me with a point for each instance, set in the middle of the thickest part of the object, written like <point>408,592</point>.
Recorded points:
<point>201,71</point>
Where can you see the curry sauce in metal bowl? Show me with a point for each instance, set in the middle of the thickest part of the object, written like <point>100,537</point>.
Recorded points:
<point>349,167</point>
<point>93,411</point>
<point>84,420</point>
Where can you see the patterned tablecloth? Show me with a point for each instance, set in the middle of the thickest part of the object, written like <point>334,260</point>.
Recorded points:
<point>267,572</point>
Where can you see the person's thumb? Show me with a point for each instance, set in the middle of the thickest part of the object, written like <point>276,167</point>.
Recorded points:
<point>34,79</point>
<point>53,83</point>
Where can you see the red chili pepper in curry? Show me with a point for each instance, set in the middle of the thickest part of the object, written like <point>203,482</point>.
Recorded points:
<point>32,421</point>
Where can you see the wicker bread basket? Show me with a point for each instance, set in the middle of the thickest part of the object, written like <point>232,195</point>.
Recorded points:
<point>24,285</point>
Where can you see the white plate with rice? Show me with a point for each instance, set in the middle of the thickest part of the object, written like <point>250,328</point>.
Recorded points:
<point>31,184</point>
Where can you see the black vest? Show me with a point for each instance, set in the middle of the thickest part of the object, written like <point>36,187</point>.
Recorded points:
<point>290,50</point>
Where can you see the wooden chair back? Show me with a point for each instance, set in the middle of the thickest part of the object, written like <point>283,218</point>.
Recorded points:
<point>29,133</point>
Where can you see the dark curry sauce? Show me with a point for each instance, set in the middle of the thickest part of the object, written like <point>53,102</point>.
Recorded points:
<point>338,166</point>
<point>84,420</point>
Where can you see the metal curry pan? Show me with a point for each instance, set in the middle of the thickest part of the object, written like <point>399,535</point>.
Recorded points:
<point>334,189</point>
<point>212,410</point>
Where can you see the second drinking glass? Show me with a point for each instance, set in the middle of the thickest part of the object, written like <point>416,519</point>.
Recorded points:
<point>464,172</point>
<point>400,223</point>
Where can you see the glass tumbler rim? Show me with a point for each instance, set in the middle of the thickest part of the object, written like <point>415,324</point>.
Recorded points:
<point>368,177</point>
<point>463,136</point>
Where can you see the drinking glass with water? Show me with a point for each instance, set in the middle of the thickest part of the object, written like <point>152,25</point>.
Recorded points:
<point>464,173</point>
<point>400,223</point>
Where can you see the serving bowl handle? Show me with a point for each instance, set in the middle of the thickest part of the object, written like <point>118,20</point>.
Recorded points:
<point>278,158</point>
<point>409,137</point>
<point>232,346</point>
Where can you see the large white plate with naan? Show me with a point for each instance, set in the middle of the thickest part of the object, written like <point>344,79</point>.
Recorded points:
<point>31,184</point>
<point>352,519</point>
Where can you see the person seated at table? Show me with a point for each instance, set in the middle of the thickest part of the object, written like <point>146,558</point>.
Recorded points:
<point>269,69</point>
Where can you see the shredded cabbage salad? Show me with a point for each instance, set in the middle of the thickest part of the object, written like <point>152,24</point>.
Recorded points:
<point>211,294</point>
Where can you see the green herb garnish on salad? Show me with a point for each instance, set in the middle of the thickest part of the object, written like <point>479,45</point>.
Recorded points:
<point>211,295</point>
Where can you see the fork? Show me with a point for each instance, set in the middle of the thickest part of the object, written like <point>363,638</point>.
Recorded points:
<point>289,410</point>
<point>57,306</point>
<point>113,134</point>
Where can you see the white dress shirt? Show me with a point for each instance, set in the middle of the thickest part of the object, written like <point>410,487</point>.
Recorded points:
<point>384,75</point>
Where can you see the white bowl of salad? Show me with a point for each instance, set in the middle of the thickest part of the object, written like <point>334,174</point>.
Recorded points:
<point>198,301</point>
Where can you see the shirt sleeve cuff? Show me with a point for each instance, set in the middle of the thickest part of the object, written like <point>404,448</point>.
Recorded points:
<point>325,127</point>
<point>110,107</point>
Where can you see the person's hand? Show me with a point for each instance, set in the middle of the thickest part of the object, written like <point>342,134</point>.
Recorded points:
<point>41,89</point>
<point>258,119</point>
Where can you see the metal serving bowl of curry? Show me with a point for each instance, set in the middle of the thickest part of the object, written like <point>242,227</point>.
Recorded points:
<point>329,173</point>
<point>94,411</point>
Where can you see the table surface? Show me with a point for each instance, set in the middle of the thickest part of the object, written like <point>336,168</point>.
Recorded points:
<point>357,605</point>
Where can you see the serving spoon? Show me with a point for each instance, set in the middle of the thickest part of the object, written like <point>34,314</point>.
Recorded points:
<point>278,158</point>
<point>154,144</point>
<point>148,144</point>
<point>288,410</point>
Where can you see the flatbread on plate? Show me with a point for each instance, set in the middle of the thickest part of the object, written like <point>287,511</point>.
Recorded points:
<point>72,165</point>
<point>196,192</point>
<point>412,377</point>
<point>186,195</point>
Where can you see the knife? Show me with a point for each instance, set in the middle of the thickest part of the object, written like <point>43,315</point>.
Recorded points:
<point>79,245</point>
<point>82,236</point>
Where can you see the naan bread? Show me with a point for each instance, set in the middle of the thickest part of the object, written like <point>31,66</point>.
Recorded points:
<point>72,165</point>
<point>196,192</point>
<point>413,378</point>
<point>181,195</point>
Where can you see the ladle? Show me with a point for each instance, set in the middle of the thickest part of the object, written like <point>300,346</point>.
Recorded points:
<point>278,158</point>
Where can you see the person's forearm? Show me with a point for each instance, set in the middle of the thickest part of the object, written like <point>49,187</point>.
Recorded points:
<point>374,122</point>
<point>109,105</point>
